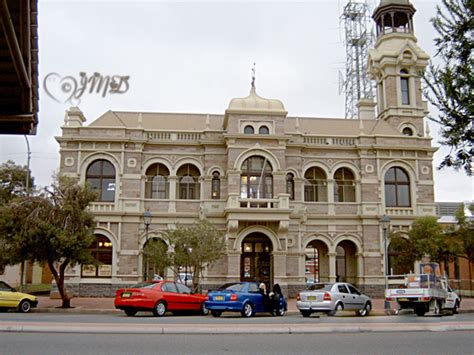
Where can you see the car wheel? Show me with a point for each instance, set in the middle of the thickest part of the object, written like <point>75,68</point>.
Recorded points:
<point>420,311</point>
<point>456,308</point>
<point>24,307</point>
<point>339,307</point>
<point>281,311</point>
<point>216,313</point>
<point>160,309</point>
<point>130,312</point>
<point>247,311</point>
<point>204,309</point>
<point>365,311</point>
<point>305,313</point>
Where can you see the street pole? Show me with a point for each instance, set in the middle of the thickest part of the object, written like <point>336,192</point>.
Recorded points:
<point>147,222</point>
<point>24,266</point>
<point>314,264</point>
<point>385,221</point>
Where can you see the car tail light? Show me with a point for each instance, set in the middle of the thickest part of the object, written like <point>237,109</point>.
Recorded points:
<point>233,297</point>
<point>327,296</point>
<point>207,297</point>
<point>298,297</point>
<point>388,299</point>
<point>425,298</point>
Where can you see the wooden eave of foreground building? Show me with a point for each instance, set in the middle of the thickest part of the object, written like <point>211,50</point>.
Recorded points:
<point>18,66</point>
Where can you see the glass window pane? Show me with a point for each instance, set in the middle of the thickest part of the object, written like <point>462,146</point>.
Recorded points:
<point>401,175</point>
<point>390,175</point>
<point>108,168</point>
<point>403,196</point>
<point>390,196</point>
<point>94,168</point>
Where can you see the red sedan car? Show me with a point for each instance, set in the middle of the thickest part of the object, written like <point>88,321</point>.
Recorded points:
<point>159,297</point>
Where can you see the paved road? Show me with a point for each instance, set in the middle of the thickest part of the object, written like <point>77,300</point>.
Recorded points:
<point>186,325</point>
<point>361,343</point>
<point>229,318</point>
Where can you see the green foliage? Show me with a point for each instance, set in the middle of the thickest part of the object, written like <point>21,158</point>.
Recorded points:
<point>156,252</point>
<point>54,227</point>
<point>464,232</point>
<point>450,87</point>
<point>13,181</point>
<point>197,247</point>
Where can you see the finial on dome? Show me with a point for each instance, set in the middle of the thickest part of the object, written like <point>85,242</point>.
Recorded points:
<point>253,76</point>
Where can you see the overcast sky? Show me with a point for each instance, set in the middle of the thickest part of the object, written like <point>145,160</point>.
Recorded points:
<point>195,57</point>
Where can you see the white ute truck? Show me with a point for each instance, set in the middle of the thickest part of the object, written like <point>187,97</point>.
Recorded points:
<point>424,292</point>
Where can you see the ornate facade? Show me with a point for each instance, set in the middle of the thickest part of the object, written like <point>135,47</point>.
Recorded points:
<point>297,197</point>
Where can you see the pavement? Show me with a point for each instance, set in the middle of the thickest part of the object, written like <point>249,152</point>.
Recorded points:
<point>98,305</point>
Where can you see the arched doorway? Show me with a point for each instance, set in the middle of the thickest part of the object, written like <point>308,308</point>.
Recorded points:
<point>317,261</point>
<point>346,262</point>
<point>155,258</point>
<point>256,262</point>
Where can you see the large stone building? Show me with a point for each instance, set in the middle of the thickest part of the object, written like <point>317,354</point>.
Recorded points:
<point>297,197</point>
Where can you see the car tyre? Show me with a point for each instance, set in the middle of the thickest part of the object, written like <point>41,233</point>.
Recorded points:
<point>420,311</point>
<point>281,311</point>
<point>160,309</point>
<point>339,307</point>
<point>364,312</point>
<point>305,313</point>
<point>247,310</point>
<point>24,307</point>
<point>130,312</point>
<point>204,309</point>
<point>456,308</point>
<point>216,314</point>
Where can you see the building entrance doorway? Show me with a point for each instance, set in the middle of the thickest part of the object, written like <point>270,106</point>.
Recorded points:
<point>256,261</point>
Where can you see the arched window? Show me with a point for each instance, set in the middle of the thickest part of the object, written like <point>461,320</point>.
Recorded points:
<point>256,180</point>
<point>101,177</point>
<point>101,251</point>
<point>290,185</point>
<point>407,131</point>
<point>249,130</point>
<point>404,86</point>
<point>315,187</point>
<point>157,183</point>
<point>216,185</point>
<point>397,188</point>
<point>263,130</point>
<point>188,182</point>
<point>344,186</point>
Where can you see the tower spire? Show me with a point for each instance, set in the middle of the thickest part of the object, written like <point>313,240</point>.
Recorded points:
<point>253,76</point>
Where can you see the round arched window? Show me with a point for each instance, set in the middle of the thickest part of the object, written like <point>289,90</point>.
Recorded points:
<point>249,130</point>
<point>263,130</point>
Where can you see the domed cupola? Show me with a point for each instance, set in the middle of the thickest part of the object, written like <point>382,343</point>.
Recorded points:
<point>394,16</point>
<point>254,105</point>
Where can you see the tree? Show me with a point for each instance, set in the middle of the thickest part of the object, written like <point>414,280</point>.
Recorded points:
<point>156,253</point>
<point>450,87</point>
<point>53,227</point>
<point>198,247</point>
<point>424,238</point>
<point>13,181</point>
<point>464,231</point>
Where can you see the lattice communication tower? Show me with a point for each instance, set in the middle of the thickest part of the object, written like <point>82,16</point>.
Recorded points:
<point>359,38</point>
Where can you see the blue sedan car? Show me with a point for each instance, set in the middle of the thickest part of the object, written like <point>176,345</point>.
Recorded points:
<point>246,298</point>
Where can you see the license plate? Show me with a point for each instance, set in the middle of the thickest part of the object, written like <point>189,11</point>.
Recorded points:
<point>311,298</point>
<point>126,295</point>
<point>219,298</point>
<point>402,299</point>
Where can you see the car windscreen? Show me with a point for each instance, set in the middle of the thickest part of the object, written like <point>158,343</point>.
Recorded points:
<point>232,287</point>
<point>319,287</point>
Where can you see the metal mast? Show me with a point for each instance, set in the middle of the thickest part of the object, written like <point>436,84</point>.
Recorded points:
<point>358,39</point>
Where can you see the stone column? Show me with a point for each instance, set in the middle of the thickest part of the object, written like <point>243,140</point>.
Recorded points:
<point>332,267</point>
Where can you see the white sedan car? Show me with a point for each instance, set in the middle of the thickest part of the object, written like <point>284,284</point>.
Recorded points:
<point>330,298</point>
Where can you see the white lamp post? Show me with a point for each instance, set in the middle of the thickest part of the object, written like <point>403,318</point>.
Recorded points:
<point>385,222</point>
